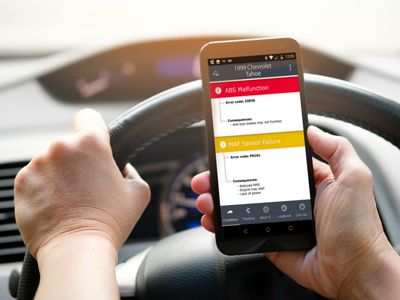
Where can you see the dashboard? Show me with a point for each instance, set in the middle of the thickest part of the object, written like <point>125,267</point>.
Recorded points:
<point>138,71</point>
<point>38,107</point>
<point>169,173</point>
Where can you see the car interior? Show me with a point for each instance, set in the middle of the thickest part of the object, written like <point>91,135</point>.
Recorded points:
<point>150,84</point>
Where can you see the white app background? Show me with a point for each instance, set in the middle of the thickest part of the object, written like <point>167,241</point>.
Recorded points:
<point>280,174</point>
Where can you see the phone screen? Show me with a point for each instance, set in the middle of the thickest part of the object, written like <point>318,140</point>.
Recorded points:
<point>259,138</point>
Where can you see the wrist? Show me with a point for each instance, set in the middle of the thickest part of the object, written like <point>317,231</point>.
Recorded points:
<point>68,261</point>
<point>69,246</point>
<point>377,275</point>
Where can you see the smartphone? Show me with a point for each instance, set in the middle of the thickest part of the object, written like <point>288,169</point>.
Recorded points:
<point>261,171</point>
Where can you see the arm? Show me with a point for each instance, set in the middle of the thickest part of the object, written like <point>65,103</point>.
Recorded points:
<point>377,277</point>
<point>353,258</point>
<point>75,209</point>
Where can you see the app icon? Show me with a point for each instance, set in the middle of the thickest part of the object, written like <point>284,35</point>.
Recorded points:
<point>218,90</point>
<point>266,209</point>
<point>302,206</point>
<point>284,207</point>
<point>229,212</point>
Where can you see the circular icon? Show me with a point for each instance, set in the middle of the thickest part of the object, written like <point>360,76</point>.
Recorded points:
<point>266,209</point>
<point>267,229</point>
<point>222,144</point>
<point>302,206</point>
<point>284,207</point>
<point>218,90</point>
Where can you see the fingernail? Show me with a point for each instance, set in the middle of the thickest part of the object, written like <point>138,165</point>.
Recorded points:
<point>315,128</point>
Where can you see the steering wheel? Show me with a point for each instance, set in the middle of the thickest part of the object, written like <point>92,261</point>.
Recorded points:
<point>188,264</point>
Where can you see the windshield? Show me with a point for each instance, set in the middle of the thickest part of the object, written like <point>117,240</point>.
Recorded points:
<point>341,26</point>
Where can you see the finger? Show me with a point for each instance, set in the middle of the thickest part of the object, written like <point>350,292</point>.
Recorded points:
<point>337,151</point>
<point>208,223</point>
<point>201,183</point>
<point>292,263</point>
<point>205,204</point>
<point>322,171</point>
<point>90,120</point>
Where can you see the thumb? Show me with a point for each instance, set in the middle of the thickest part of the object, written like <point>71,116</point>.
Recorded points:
<point>336,150</point>
<point>138,186</point>
<point>130,174</point>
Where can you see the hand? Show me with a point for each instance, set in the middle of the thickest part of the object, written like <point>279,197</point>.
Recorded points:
<point>351,243</point>
<point>75,188</point>
<point>75,209</point>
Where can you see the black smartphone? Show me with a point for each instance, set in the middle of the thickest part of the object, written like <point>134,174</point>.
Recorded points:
<point>261,171</point>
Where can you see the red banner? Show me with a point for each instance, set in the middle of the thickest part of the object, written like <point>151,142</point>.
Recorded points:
<point>254,87</point>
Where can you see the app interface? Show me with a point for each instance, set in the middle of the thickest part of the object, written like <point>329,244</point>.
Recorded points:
<point>259,139</point>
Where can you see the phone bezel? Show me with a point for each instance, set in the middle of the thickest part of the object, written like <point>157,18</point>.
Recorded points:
<point>243,244</point>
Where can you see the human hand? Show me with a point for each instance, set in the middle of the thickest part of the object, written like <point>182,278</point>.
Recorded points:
<point>75,188</point>
<point>351,244</point>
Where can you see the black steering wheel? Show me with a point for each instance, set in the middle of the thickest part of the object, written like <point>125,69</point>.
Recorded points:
<point>188,264</point>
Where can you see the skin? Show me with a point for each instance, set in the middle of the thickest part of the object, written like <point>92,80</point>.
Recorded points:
<point>353,258</point>
<point>75,209</point>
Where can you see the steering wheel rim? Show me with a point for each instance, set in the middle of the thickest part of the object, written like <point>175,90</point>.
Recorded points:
<point>180,107</point>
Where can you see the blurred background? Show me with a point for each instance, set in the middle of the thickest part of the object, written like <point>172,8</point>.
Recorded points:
<point>59,56</point>
<point>361,32</point>
<point>349,27</point>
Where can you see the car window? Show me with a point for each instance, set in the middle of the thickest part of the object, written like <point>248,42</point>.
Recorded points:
<point>339,26</point>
